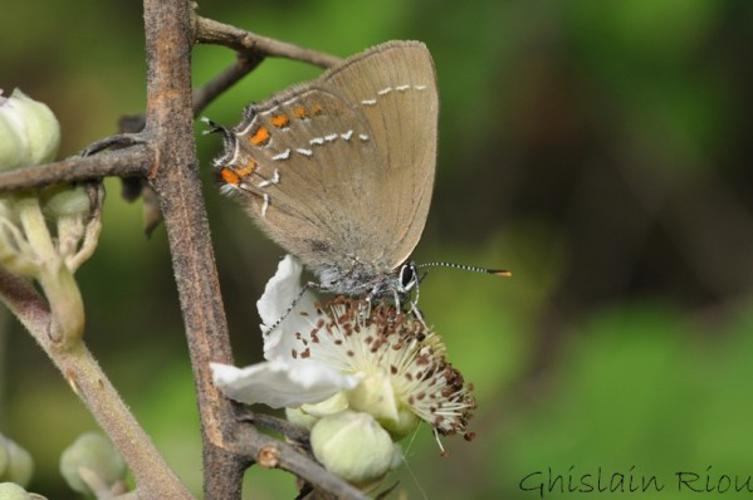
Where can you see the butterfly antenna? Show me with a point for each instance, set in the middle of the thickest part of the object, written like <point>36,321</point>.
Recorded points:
<point>298,297</point>
<point>504,273</point>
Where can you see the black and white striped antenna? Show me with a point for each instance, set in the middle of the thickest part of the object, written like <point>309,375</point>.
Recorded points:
<point>504,273</point>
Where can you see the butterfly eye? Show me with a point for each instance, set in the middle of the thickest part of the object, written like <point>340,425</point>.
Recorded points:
<point>407,277</point>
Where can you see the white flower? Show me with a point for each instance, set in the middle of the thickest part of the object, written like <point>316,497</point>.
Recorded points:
<point>388,365</point>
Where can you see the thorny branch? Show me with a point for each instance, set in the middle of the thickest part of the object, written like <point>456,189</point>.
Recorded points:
<point>165,157</point>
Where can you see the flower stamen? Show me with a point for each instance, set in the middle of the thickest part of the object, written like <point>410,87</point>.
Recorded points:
<point>397,346</point>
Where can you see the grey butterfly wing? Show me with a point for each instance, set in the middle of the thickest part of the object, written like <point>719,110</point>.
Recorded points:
<point>299,167</point>
<point>394,86</point>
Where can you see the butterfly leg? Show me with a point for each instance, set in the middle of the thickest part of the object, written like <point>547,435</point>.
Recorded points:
<point>396,297</point>
<point>417,314</point>
<point>308,286</point>
<point>414,303</point>
<point>369,300</point>
<point>365,307</point>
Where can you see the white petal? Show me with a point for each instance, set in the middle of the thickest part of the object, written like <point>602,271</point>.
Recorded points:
<point>281,383</point>
<point>280,290</point>
<point>279,294</point>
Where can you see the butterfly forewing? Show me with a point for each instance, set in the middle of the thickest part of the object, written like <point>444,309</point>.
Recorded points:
<point>394,85</point>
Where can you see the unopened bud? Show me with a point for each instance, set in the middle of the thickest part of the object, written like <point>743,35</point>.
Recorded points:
<point>353,446</point>
<point>94,452</point>
<point>12,491</point>
<point>29,131</point>
<point>66,201</point>
<point>20,465</point>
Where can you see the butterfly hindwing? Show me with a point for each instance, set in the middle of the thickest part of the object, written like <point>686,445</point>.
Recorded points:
<point>299,164</point>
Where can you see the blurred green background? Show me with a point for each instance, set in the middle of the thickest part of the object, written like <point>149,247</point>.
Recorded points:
<point>597,149</point>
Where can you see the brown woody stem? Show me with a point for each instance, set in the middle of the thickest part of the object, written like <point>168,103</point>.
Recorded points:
<point>174,177</point>
<point>127,162</point>
<point>245,42</point>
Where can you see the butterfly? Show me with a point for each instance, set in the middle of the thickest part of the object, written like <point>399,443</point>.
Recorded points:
<point>339,171</point>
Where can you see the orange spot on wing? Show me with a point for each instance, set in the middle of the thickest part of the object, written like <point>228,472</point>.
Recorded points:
<point>247,169</point>
<point>229,176</point>
<point>316,109</point>
<point>299,112</point>
<point>261,136</point>
<point>280,121</point>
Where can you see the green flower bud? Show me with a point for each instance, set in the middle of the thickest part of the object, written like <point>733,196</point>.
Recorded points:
<point>29,131</point>
<point>96,453</point>
<point>12,491</point>
<point>20,465</point>
<point>353,446</point>
<point>63,201</point>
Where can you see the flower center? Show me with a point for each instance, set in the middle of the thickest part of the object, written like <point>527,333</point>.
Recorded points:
<point>402,363</point>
